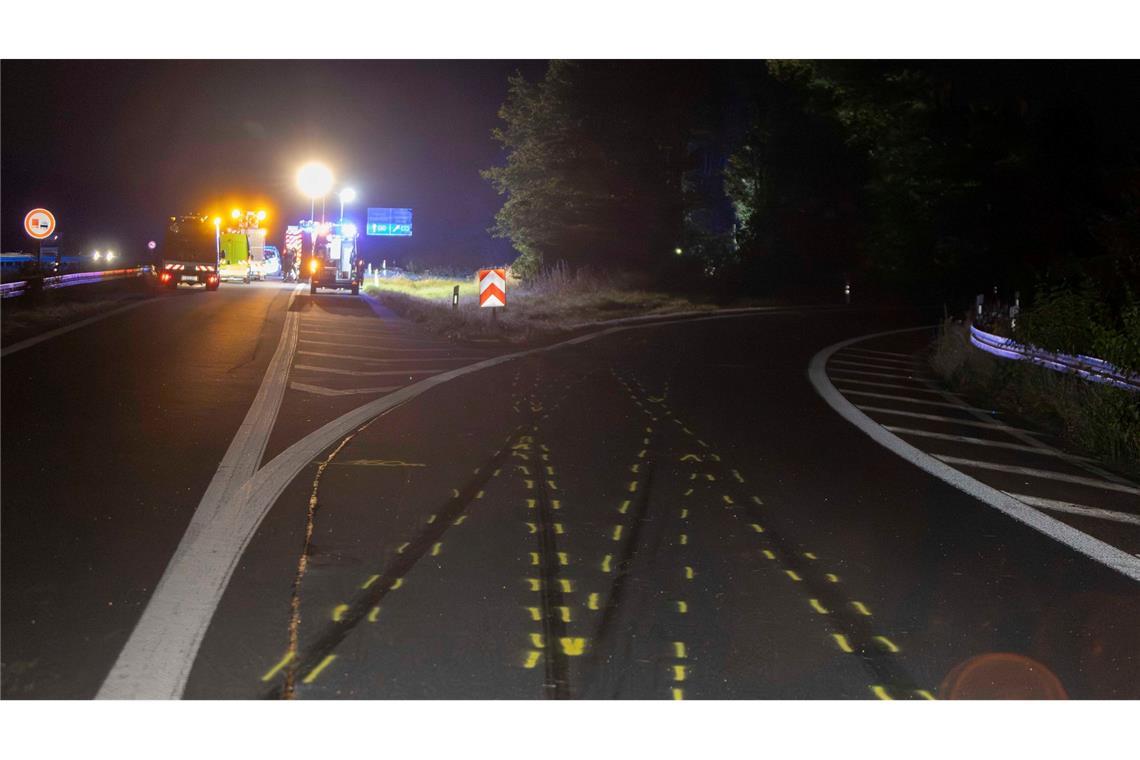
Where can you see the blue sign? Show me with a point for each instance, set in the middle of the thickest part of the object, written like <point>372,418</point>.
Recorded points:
<point>389,222</point>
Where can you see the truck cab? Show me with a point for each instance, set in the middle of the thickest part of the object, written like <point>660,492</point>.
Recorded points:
<point>189,253</point>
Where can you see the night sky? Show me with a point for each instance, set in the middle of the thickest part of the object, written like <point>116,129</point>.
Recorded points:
<point>115,147</point>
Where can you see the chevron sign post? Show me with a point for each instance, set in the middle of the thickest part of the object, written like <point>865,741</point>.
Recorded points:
<point>492,288</point>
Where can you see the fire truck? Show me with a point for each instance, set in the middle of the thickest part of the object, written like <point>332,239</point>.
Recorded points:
<point>331,259</point>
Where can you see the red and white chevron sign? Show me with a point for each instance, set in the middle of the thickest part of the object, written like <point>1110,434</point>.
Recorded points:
<point>492,287</point>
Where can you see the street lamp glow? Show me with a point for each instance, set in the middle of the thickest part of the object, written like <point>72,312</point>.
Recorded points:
<point>235,214</point>
<point>678,251</point>
<point>261,216</point>
<point>110,255</point>
<point>97,256</point>
<point>315,179</point>
<point>347,195</point>
<point>217,221</point>
<point>348,230</point>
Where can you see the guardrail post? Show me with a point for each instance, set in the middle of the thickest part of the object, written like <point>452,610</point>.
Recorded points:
<point>455,298</point>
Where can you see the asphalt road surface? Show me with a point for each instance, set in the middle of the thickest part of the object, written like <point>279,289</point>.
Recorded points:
<point>195,504</point>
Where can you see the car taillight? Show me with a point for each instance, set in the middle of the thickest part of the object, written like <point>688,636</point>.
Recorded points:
<point>165,277</point>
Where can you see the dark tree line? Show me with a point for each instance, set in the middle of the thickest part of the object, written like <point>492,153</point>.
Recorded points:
<point>929,179</point>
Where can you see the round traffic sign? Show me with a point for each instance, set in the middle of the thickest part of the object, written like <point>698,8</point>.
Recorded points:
<point>150,245</point>
<point>39,223</point>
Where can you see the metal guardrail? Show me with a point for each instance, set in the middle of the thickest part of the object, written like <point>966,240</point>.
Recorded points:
<point>1087,367</point>
<point>20,287</point>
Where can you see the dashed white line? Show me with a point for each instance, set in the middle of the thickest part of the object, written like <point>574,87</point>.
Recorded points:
<point>978,441</point>
<point>1033,472</point>
<point>937,418</point>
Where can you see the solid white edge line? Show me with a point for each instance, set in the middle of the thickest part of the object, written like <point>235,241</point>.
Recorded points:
<point>164,644</point>
<point>68,328</point>
<point>143,656</point>
<point>1094,548</point>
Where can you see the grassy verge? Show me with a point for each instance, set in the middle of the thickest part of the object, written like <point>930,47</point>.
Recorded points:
<point>550,305</point>
<point>1096,420</point>
<point>21,319</point>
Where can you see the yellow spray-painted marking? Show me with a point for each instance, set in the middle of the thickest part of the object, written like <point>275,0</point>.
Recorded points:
<point>531,528</point>
<point>317,670</point>
<point>535,613</point>
<point>549,470</point>
<point>536,640</point>
<point>555,504</point>
<point>530,503</point>
<point>841,640</point>
<point>288,658</point>
<point>373,614</point>
<point>679,650</point>
<point>684,538</point>
<point>809,555</point>
<point>382,463</point>
<point>634,467</point>
<point>572,647</point>
<point>567,585</point>
<point>687,431</point>
<point>739,478</point>
<point>338,612</point>
<point>768,553</point>
<point>617,533</point>
<point>371,579</point>
<point>815,605</point>
<point>495,474</point>
<point>479,495</point>
<point>710,477</point>
<point>684,513</point>
<point>648,430</point>
<point>431,519</point>
<point>400,549</point>
<point>889,645</point>
<point>688,492</point>
<point>678,673</point>
<point>564,612</point>
<point>756,500</point>
<point>678,694</point>
<point>861,608</point>
<point>925,694</point>
<point>881,693</point>
<point>641,454</point>
<point>693,476</point>
<point>475,471</point>
<point>399,582</point>
<point>558,528</point>
<point>563,558</point>
<point>592,603</point>
<point>459,520</point>
<point>534,583</point>
<point>606,562</point>
<point>534,558</point>
<point>757,528</point>
<point>794,575</point>
<point>529,484</point>
<point>832,578</point>
<point>645,441</point>
<point>532,659</point>
<point>624,507</point>
<point>552,485</point>
<point>436,548</point>
<point>728,500</point>
<point>690,457</point>
<point>455,493</point>
<point>688,573</point>
<point>633,486</point>
<point>714,457</point>
<point>702,443</point>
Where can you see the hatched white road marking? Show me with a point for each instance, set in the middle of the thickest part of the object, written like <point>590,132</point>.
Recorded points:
<point>366,372</point>
<point>937,418</point>
<point>980,442</point>
<point>878,359</point>
<point>909,400</point>
<point>1077,509</point>
<point>878,374</point>
<point>1036,473</point>
<point>376,347</point>
<point>912,389</point>
<point>1104,553</point>
<point>881,353</point>
<point>322,391</point>
<point>374,360</point>
<point>906,371</point>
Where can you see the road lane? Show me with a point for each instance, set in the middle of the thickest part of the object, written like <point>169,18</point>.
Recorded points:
<point>111,434</point>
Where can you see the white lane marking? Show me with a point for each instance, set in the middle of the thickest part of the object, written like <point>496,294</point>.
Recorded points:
<point>1077,509</point>
<point>1034,472</point>
<point>321,391</point>
<point>375,347</point>
<point>143,660</point>
<point>1094,548</point>
<point>878,359</point>
<point>906,371</point>
<point>881,353</point>
<point>936,418</point>
<point>366,372</point>
<point>977,441</point>
<point>367,334</point>
<point>845,371</point>
<point>910,399</point>
<point>912,389</point>
<point>373,360</point>
<point>68,328</point>
<point>164,644</point>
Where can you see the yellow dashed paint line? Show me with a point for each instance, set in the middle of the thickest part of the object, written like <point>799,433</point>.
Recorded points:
<point>679,650</point>
<point>436,548</point>
<point>559,529</point>
<point>811,556</point>
<point>536,640</point>
<point>530,503</point>
<point>634,467</point>
<point>567,585</point>
<point>925,694</point>
<point>757,502</point>
<point>682,607</point>
<point>861,608</point>
<point>881,693</point>
<point>555,504</point>
<point>758,528</point>
<point>688,573</point>
<point>606,563</point>
<point>633,486</point>
<point>683,539</point>
<point>624,507</point>
<point>736,474</point>
<point>617,533</point>
<point>534,558</point>
<point>678,673</point>
<point>832,578</point>
<point>399,582</point>
<point>889,645</point>
<point>534,584</point>
<point>338,612</point>
<point>841,640</point>
<point>592,603</point>
<point>371,579</point>
<point>572,647</point>
<point>815,605</point>
<point>564,612</point>
<point>317,670</point>
<point>400,549</point>
<point>767,553</point>
<point>563,558</point>
<point>459,520</point>
<point>531,528</point>
<point>728,500</point>
<point>532,659</point>
<point>678,694</point>
<point>794,575</point>
<point>288,658</point>
<point>535,613</point>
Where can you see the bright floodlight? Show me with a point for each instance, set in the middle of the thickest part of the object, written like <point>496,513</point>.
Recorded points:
<point>347,195</point>
<point>315,179</point>
<point>97,255</point>
<point>110,255</point>
<point>235,214</point>
<point>217,221</point>
<point>348,230</point>
<point>261,216</point>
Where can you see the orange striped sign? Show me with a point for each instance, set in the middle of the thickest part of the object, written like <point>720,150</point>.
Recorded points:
<point>492,288</point>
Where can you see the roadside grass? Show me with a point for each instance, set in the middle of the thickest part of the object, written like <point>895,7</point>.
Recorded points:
<point>25,319</point>
<point>551,304</point>
<point>1094,419</point>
